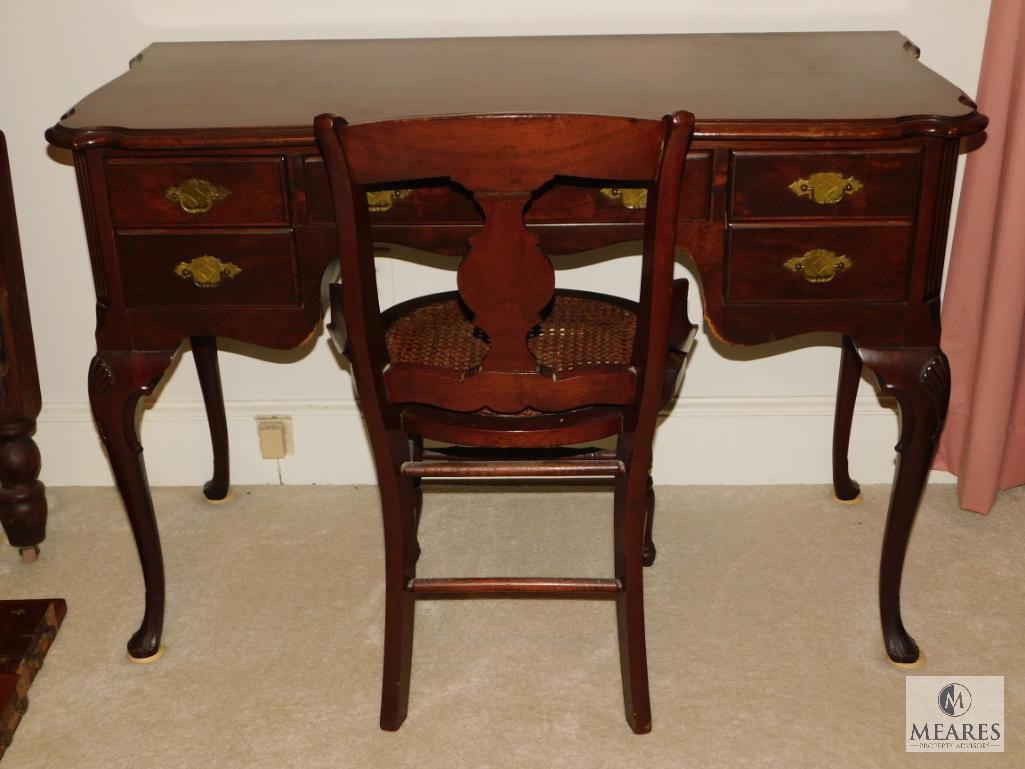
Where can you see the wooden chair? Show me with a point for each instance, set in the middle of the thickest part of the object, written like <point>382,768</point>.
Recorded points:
<point>508,367</point>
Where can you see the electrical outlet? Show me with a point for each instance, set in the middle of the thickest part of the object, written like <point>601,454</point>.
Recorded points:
<point>275,436</point>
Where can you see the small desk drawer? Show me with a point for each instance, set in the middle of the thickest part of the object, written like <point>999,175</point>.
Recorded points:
<point>867,263</point>
<point>197,192</point>
<point>817,184</point>
<point>208,269</point>
<point>559,203</point>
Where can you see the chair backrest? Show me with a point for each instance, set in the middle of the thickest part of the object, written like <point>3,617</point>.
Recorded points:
<point>505,279</point>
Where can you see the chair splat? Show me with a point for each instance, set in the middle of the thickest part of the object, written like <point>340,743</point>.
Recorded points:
<point>506,280</point>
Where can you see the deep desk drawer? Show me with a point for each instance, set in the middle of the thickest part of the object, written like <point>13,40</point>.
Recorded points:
<point>559,203</point>
<point>819,264</point>
<point>247,269</point>
<point>813,184</point>
<point>197,192</point>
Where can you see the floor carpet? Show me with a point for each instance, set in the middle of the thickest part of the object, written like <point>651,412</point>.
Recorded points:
<point>763,641</point>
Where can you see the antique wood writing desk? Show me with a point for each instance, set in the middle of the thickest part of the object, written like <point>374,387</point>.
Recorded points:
<point>818,192</point>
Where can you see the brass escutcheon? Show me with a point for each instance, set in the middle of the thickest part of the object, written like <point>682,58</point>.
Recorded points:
<point>826,187</point>
<point>381,200</point>
<point>196,196</point>
<point>206,271</point>
<point>634,198</point>
<point>819,265</point>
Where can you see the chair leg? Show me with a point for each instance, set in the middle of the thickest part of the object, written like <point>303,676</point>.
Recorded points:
<point>631,494</point>
<point>398,507</point>
<point>649,522</point>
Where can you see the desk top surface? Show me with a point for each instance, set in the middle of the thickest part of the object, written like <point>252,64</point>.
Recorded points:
<point>858,84</point>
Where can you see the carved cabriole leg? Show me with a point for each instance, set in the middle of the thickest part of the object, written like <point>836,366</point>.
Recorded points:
<point>629,517</point>
<point>23,498</point>
<point>845,489</point>
<point>204,351</point>
<point>919,379</point>
<point>117,382</point>
<point>649,522</point>
<point>398,505</point>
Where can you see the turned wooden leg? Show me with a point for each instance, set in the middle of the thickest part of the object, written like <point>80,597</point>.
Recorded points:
<point>117,382</point>
<point>846,489</point>
<point>398,509</point>
<point>204,351</point>
<point>630,495</point>
<point>919,379</point>
<point>23,498</point>
<point>649,522</point>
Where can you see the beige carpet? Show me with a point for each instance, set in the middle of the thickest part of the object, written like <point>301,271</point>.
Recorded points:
<point>763,640</point>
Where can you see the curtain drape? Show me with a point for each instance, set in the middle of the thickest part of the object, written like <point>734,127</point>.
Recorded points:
<point>984,301</point>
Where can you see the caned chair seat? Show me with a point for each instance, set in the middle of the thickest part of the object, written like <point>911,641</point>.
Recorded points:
<point>578,330</point>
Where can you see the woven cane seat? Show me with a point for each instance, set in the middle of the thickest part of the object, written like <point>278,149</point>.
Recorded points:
<point>580,330</point>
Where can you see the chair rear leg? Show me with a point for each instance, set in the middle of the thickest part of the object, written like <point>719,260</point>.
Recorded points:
<point>630,497</point>
<point>398,508</point>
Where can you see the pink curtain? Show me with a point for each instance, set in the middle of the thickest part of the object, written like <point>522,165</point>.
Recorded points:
<point>984,302</point>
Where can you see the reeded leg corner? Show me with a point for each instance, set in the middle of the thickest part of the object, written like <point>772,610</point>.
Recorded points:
<point>919,379</point>
<point>845,489</point>
<point>117,382</point>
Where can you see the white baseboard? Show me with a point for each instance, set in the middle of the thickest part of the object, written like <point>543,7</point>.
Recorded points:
<point>702,440</point>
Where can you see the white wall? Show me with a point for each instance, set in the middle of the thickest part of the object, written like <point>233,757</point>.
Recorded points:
<point>762,420</point>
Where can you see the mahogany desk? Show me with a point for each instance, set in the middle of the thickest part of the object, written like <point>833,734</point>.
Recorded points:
<point>817,198</point>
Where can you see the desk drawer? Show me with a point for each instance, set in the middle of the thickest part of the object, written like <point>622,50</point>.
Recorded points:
<point>819,264</point>
<point>560,203</point>
<point>197,192</point>
<point>224,268</point>
<point>817,184</point>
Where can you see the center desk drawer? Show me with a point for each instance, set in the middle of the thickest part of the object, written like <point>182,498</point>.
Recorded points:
<point>224,268</point>
<point>867,263</point>
<point>199,192</point>
<point>825,184</point>
<point>557,203</point>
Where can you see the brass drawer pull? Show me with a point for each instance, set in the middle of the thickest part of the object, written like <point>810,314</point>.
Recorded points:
<point>196,196</point>
<point>826,187</point>
<point>819,265</point>
<point>207,271</point>
<point>634,198</point>
<point>381,200</point>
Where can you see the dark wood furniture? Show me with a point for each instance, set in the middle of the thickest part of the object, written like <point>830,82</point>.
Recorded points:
<point>817,196</point>
<point>27,630</point>
<point>22,498</point>
<point>508,361</point>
